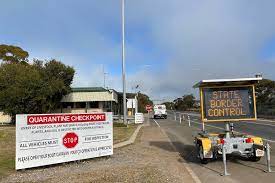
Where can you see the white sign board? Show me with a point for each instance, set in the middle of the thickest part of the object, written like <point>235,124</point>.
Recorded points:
<point>139,118</point>
<point>131,103</point>
<point>55,138</point>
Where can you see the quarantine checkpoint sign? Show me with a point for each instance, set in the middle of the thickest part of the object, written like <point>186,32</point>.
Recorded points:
<point>56,138</point>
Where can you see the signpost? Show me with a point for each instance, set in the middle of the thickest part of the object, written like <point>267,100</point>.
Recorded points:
<point>149,109</point>
<point>44,139</point>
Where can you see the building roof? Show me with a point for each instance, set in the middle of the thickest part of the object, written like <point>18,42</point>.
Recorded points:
<point>89,89</point>
<point>89,94</point>
<point>227,82</point>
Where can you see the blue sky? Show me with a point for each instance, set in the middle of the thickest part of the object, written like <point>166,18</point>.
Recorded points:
<point>169,44</point>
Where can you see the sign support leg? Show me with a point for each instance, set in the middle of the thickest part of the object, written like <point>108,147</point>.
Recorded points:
<point>267,153</point>
<point>227,130</point>
<point>225,173</point>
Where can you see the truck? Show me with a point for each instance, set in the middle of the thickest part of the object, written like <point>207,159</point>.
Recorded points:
<point>160,111</point>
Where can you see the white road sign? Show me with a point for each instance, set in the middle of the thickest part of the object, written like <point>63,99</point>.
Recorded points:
<point>139,118</point>
<point>44,139</point>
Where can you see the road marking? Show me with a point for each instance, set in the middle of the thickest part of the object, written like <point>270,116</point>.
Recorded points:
<point>272,121</point>
<point>264,124</point>
<point>273,141</point>
<point>156,123</point>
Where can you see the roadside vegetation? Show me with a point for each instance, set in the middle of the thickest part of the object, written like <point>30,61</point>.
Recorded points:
<point>184,103</point>
<point>122,132</point>
<point>265,94</point>
<point>35,87</point>
<point>7,151</point>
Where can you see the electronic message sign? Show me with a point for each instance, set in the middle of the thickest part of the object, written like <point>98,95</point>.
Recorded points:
<point>228,103</point>
<point>44,139</point>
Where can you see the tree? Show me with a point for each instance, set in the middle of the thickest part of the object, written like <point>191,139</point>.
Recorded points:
<point>265,94</point>
<point>13,54</point>
<point>36,88</point>
<point>143,100</point>
<point>185,102</point>
<point>169,105</point>
<point>265,91</point>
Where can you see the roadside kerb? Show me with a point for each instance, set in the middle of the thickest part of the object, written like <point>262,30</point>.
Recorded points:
<point>185,164</point>
<point>131,140</point>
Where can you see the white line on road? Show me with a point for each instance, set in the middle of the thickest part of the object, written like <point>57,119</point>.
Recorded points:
<point>264,124</point>
<point>235,131</point>
<point>156,122</point>
<point>272,121</point>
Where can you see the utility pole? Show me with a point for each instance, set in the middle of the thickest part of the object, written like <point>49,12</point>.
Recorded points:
<point>104,77</point>
<point>123,66</point>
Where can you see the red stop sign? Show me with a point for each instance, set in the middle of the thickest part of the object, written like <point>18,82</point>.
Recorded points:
<point>149,108</point>
<point>70,140</point>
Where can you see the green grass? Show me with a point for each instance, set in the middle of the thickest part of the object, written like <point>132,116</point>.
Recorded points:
<point>7,145</point>
<point>123,133</point>
<point>7,151</point>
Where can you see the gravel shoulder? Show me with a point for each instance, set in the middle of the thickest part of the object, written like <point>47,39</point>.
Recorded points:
<point>150,159</point>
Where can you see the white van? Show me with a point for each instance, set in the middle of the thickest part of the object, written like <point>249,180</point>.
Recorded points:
<point>160,111</point>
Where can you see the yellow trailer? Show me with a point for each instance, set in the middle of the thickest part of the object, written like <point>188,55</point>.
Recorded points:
<point>228,101</point>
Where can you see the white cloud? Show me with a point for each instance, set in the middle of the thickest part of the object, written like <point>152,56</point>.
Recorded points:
<point>205,39</point>
<point>183,41</point>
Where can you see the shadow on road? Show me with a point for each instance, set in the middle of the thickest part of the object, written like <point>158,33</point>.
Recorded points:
<point>186,152</point>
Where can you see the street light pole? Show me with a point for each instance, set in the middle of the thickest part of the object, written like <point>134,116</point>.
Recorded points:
<point>123,66</point>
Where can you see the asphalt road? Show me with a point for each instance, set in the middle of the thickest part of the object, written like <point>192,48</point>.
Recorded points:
<point>241,170</point>
<point>261,128</point>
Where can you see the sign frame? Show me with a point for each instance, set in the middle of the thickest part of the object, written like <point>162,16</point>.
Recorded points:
<point>202,104</point>
<point>40,138</point>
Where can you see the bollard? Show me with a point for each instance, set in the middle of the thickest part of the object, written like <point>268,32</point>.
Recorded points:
<point>189,121</point>
<point>225,173</point>
<point>175,116</point>
<point>180,118</point>
<point>267,153</point>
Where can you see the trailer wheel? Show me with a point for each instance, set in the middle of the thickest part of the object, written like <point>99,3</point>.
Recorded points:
<point>200,155</point>
<point>255,158</point>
